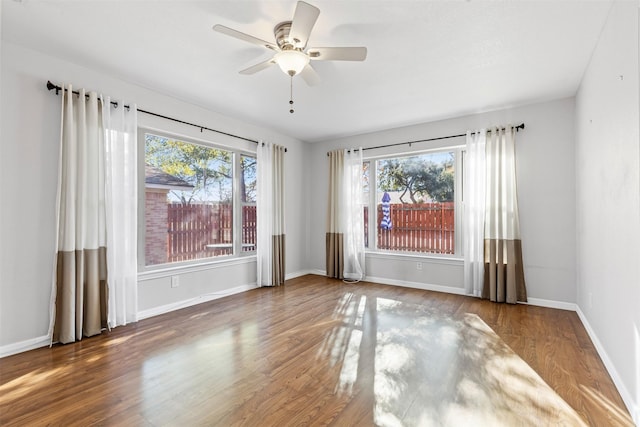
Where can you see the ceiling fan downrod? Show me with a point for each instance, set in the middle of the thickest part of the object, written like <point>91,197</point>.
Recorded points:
<point>291,94</point>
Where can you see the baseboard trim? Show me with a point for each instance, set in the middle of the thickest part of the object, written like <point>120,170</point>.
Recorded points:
<point>156,311</point>
<point>633,407</point>
<point>300,273</point>
<point>22,346</point>
<point>318,272</point>
<point>453,290</point>
<point>561,305</point>
<point>416,285</point>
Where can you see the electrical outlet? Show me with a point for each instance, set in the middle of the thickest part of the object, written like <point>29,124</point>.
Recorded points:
<point>418,266</point>
<point>175,281</point>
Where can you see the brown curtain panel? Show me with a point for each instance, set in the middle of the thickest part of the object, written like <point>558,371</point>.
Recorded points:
<point>81,268</point>
<point>334,235</point>
<point>81,294</point>
<point>277,275</point>
<point>504,272</point>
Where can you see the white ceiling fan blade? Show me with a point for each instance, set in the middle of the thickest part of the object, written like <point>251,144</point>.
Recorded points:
<point>304,18</point>
<point>246,37</point>
<point>310,76</point>
<point>258,67</point>
<point>337,53</point>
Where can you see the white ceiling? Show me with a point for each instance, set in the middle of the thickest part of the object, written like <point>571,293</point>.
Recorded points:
<point>427,60</point>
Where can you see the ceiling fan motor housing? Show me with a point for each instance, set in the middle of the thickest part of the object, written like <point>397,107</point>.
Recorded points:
<point>281,33</point>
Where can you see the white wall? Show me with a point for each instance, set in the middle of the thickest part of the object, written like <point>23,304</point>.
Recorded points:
<point>28,175</point>
<point>608,200</point>
<point>546,187</point>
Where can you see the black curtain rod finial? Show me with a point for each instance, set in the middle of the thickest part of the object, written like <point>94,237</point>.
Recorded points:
<point>51,86</point>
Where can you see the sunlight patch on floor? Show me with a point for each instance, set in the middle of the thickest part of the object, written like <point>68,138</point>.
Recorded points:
<point>466,374</point>
<point>349,370</point>
<point>27,383</point>
<point>114,342</point>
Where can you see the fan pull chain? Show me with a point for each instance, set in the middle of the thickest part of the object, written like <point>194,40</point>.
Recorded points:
<point>291,95</point>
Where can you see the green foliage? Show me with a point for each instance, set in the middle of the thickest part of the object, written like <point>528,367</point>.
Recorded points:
<point>208,169</point>
<point>248,179</point>
<point>423,177</point>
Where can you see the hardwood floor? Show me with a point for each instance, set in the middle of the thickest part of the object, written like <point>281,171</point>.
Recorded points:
<point>320,352</point>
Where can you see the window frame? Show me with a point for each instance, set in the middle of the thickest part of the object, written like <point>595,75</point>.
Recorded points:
<point>372,227</point>
<point>237,252</point>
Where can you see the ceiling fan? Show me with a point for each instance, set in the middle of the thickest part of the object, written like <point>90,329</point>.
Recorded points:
<point>291,52</point>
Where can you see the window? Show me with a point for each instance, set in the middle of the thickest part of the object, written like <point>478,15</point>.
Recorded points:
<point>190,195</point>
<point>414,203</point>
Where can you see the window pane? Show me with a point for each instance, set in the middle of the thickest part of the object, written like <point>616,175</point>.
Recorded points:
<point>248,194</point>
<point>415,203</point>
<point>248,179</point>
<point>366,166</point>
<point>188,201</point>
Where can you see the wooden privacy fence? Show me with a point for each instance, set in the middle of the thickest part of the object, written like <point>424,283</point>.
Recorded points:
<point>201,231</point>
<point>417,227</point>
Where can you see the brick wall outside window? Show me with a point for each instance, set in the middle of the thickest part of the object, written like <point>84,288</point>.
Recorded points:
<point>156,226</point>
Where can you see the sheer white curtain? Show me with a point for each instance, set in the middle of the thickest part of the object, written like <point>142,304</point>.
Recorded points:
<point>270,249</point>
<point>474,209</point>
<point>353,216</point>
<point>120,126</point>
<point>88,272</point>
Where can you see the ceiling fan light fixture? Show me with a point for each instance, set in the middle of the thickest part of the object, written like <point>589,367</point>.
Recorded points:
<point>291,62</point>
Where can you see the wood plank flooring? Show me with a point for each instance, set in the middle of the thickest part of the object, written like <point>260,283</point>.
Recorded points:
<point>321,352</point>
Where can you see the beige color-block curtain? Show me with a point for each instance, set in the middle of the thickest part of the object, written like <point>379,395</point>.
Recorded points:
<point>81,263</point>
<point>504,272</point>
<point>345,216</point>
<point>94,283</point>
<point>493,267</point>
<point>270,206</point>
<point>334,233</point>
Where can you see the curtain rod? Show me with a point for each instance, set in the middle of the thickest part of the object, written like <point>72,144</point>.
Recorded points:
<point>517,128</point>
<point>57,88</point>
